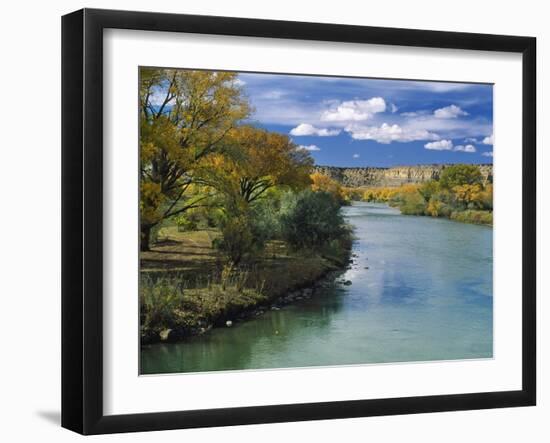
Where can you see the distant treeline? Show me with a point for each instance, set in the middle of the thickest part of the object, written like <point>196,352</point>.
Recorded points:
<point>461,193</point>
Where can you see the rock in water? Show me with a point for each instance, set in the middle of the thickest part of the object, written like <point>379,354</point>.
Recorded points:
<point>228,323</point>
<point>165,334</point>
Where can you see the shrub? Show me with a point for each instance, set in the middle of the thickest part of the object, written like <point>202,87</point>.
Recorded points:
<point>486,199</point>
<point>186,223</point>
<point>428,189</point>
<point>160,300</point>
<point>369,195</point>
<point>206,216</point>
<point>351,195</point>
<point>473,216</point>
<point>459,194</point>
<point>237,238</point>
<point>434,208</point>
<point>411,202</point>
<point>266,218</point>
<point>311,219</point>
<point>245,228</point>
<point>154,234</point>
<point>167,303</point>
<point>380,194</point>
<point>326,184</point>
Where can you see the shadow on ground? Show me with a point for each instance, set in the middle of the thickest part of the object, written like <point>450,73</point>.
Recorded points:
<point>54,417</point>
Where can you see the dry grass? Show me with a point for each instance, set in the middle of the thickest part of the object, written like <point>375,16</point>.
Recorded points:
<point>181,251</point>
<point>187,286</point>
<point>191,256</point>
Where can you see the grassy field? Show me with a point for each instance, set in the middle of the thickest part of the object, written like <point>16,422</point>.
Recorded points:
<point>181,251</point>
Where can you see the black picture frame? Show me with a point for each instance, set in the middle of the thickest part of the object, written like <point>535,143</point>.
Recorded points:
<point>82,218</point>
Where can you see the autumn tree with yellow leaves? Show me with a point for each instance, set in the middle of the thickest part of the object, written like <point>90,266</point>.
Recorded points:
<point>460,194</point>
<point>185,117</point>
<point>255,161</point>
<point>321,182</point>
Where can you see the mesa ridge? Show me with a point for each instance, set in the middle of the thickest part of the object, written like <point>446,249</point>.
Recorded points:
<point>391,176</point>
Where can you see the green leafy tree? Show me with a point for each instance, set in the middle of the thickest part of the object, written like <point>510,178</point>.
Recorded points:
<point>255,164</point>
<point>428,189</point>
<point>460,174</point>
<point>412,203</point>
<point>245,232</point>
<point>311,219</point>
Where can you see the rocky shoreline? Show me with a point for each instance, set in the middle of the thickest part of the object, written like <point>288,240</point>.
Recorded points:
<point>305,291</point>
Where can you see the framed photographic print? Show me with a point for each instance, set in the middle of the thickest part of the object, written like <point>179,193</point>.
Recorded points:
<point>269,221</point>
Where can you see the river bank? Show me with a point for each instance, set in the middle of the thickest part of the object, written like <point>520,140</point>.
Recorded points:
<point>470,216</point>
<point>461,193</point>
<point>193,294</point>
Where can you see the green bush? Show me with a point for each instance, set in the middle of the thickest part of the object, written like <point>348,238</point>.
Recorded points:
<point>186,223</point>
<point>160,301</point>
<point>154,235</point>
<point>473,216</point>
<point>266,218</point>
<point>166,303</point>
<point>412,204</point>
<point>246,228</point>
<point>311,219</point>
<point>429,189</point>
<point>459,195</point>
<point>238,239</point>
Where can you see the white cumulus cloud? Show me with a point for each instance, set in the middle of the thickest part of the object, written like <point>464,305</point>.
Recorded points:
<point>355,110</point>
<point>490,140</point>
<point>465,148</point>
<point>487,154</point>
<point>307,129</point>
<point>440,145</point>
<point>309,148</point>
<point>356,156</point>
<point>387,133</point>
<point>451,111</point>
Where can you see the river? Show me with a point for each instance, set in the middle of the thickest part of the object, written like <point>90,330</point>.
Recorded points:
<point>426,295</point>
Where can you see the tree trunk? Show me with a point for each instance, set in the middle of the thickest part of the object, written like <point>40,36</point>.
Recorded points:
<point>145,237</point>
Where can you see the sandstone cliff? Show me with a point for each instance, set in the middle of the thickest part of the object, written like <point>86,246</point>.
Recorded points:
<point>394,176</point>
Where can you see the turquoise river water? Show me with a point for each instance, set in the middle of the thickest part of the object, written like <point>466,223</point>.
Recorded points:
<point>426,295</point>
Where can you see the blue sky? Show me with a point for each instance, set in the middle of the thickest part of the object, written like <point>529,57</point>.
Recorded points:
<point>376,122</point>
